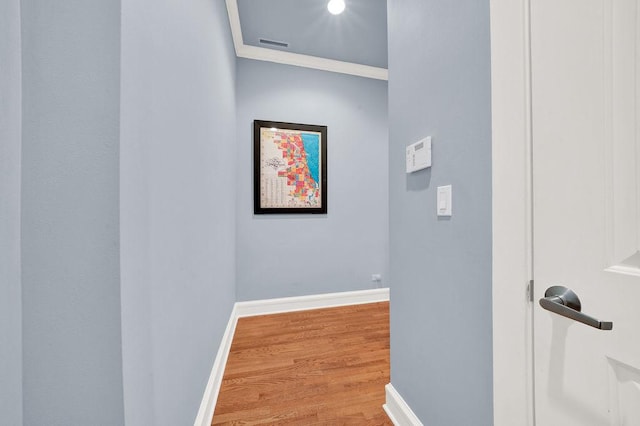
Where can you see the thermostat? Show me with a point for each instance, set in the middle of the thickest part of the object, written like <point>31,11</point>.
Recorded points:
<point>419,155</point>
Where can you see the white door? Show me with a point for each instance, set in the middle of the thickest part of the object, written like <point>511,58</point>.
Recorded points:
<point>585,66</point>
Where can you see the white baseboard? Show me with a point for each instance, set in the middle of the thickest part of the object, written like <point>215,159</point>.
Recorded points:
<point>273,306</point>
<point>398,410</point>
<point>208,404</point>
<point>318,301</point>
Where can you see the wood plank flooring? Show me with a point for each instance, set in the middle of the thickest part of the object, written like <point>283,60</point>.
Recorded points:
<point>318,367</point>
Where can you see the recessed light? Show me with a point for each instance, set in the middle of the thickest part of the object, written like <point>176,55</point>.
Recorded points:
<point>336,7</point>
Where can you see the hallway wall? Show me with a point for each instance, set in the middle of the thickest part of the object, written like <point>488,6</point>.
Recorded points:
<point>439,85</point>
<point>10,146</point>
<point>72,355</point>
<point>293,255</point>
<point>177,203</point>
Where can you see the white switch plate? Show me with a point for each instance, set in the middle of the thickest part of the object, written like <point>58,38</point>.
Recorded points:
<point>443,202</point>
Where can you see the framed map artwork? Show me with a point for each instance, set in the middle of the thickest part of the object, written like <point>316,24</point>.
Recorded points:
<point>290,168</point>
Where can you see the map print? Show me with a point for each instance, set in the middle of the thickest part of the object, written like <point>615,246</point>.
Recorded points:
<point>290,168</point>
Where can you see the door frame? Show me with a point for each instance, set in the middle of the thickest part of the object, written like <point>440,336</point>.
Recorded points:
<point>513,384</point>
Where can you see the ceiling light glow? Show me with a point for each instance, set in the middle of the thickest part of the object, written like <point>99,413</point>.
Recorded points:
<point>336,7</point>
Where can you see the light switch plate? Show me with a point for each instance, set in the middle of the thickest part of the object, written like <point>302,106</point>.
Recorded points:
<point>443,202</point>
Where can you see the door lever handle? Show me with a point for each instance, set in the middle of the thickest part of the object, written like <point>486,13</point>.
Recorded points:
<point>563,301</point>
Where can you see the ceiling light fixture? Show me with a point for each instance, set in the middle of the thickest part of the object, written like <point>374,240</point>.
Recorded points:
<point>336,7</point>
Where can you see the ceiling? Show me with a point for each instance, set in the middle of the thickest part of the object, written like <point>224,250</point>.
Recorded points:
<point>304,33</point>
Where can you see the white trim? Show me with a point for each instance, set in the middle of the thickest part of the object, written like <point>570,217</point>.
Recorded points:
<point>210,397</point>
<point>315,62</point>
<point>295,59</point>
<point>272,306</point>
<point>513,396</point>
<point>302,303</point>
<point>398,410</point>
<point>234,22</point>
<point>623,269</point>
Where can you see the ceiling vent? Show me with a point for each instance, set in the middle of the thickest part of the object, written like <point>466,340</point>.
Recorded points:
<point>273,42</point>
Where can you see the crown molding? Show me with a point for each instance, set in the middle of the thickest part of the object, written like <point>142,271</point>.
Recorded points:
<point>295,59</point>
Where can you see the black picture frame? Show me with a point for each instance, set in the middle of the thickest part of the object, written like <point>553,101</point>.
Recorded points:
<point>289,168</point>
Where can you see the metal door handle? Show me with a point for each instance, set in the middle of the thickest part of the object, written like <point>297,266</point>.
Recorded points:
<point>563,301</point>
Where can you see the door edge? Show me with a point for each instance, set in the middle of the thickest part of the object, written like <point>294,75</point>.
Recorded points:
<point>513,387</point>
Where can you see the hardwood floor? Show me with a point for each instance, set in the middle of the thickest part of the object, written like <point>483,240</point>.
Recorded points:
<point>318,367</point>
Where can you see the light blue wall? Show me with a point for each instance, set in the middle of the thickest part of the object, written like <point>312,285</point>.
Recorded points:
<point>70,229</point>
<point>280,255</point>
<point>10,146</point>
<point>439,85</point>
<point>178,203</point>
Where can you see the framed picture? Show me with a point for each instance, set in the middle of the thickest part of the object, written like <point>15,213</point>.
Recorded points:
<point>289,168</point>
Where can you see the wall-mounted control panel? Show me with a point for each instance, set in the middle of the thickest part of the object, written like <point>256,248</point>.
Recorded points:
<point>419,155</point>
